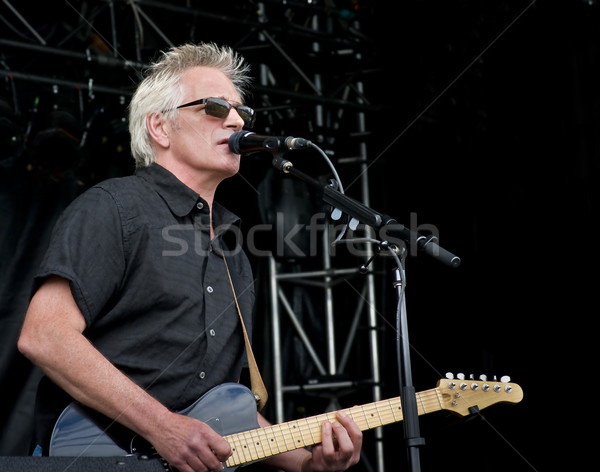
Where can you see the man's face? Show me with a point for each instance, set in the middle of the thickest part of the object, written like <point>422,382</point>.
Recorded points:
<point>199,142</point>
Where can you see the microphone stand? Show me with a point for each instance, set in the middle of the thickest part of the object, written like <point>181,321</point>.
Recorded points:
<point>388,227</point>
<point>363,214</point>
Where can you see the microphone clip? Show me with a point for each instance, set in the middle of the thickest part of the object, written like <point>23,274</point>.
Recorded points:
<point>281,164</point>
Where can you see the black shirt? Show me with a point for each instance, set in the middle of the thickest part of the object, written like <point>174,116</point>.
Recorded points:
<point>152,286</point>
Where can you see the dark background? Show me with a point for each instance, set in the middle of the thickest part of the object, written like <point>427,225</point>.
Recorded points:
<point>481,119</point>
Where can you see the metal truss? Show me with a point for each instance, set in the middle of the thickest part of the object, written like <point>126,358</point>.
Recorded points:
<point>328,348</point>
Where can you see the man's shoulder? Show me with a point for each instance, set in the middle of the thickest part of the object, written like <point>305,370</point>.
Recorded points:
<point>123,190</point>
<point>114,196</point>
<point>119,184</point>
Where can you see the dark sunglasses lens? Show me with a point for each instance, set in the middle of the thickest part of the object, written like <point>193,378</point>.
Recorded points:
<point>246,114</point>
<point>217,108</point>
<point>220,108</point>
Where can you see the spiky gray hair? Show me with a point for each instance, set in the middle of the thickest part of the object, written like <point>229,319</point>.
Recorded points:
<point>161,88</point>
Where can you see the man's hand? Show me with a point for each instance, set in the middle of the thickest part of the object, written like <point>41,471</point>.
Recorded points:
<point>340,446</point>
<point>190,445</point>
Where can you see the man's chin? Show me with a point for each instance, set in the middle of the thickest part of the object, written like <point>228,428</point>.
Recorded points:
<point>230,171</point>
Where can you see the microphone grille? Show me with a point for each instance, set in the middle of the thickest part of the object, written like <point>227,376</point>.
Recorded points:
<point>234,141</point>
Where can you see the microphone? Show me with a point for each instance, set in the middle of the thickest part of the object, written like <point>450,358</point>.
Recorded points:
<point>244,142</point>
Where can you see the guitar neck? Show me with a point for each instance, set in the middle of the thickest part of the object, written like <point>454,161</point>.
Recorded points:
<point>260,443</point>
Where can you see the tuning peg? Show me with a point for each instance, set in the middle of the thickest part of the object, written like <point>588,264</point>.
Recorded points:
<point>505,379</point>
<point>449,375</point>
<point>460,376</point>
<point>483,377</point>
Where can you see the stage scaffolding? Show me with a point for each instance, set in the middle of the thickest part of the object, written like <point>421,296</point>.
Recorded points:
<point>331,360</point>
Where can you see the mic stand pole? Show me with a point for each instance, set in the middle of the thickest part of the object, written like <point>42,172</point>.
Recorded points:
<point>408,398</point>
<point>362,213</point>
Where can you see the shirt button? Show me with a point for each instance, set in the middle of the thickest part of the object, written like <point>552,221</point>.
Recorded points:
<point>212,332</point>
<point>202,375</point>
<point>199,205</point>
<point>209,289</point>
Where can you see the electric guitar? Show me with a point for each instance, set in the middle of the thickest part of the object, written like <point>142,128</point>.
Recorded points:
<point>230,409</point>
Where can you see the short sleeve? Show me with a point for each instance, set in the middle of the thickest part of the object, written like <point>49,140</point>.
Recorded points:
<point>87,248</point>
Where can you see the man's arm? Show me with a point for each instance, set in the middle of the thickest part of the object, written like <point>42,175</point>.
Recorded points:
<point>52,338</point>
<point>340,448</point>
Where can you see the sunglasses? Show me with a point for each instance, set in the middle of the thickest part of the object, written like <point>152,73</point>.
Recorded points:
<point>220,108</point>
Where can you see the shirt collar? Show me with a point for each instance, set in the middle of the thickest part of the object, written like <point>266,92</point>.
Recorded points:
<point>181,199</point>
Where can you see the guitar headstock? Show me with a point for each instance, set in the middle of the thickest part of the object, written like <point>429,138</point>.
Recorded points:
<point>464,396</point>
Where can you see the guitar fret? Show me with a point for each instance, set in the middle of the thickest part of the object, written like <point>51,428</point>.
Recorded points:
<point>351,413</point>
<point>242,450</point>
<point>378,414</point>
<point>366,417</point>
<point>392,410</point>
<point>433,403</point>
<point>439,397</point>
<point>376,419</point>
<point>371,417</point>
<point>419,398</point>
<point>234,459</point>
<point>310,431</point>
<point>292,426</point>
<point>301,435</point>
<point>245,449</point>
<point>357,415</point>
<point>428,401</point>
<point>258,441</point>
<point>280,428</point>
<point>270,440</point>
<point>249,446</point>
<point>283,436</point>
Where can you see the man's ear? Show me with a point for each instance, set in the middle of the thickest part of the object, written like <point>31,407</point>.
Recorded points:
<point>155,123</point>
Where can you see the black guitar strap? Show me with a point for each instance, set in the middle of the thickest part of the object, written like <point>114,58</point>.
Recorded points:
<point>257,384</point>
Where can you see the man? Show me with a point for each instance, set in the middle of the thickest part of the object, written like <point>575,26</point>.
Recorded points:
<point>133,313</point>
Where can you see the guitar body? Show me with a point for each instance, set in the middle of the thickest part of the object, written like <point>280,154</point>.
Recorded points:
<point>228,408</point>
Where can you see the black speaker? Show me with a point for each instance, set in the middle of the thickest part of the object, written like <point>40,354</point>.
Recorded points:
<point>80,464</point>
